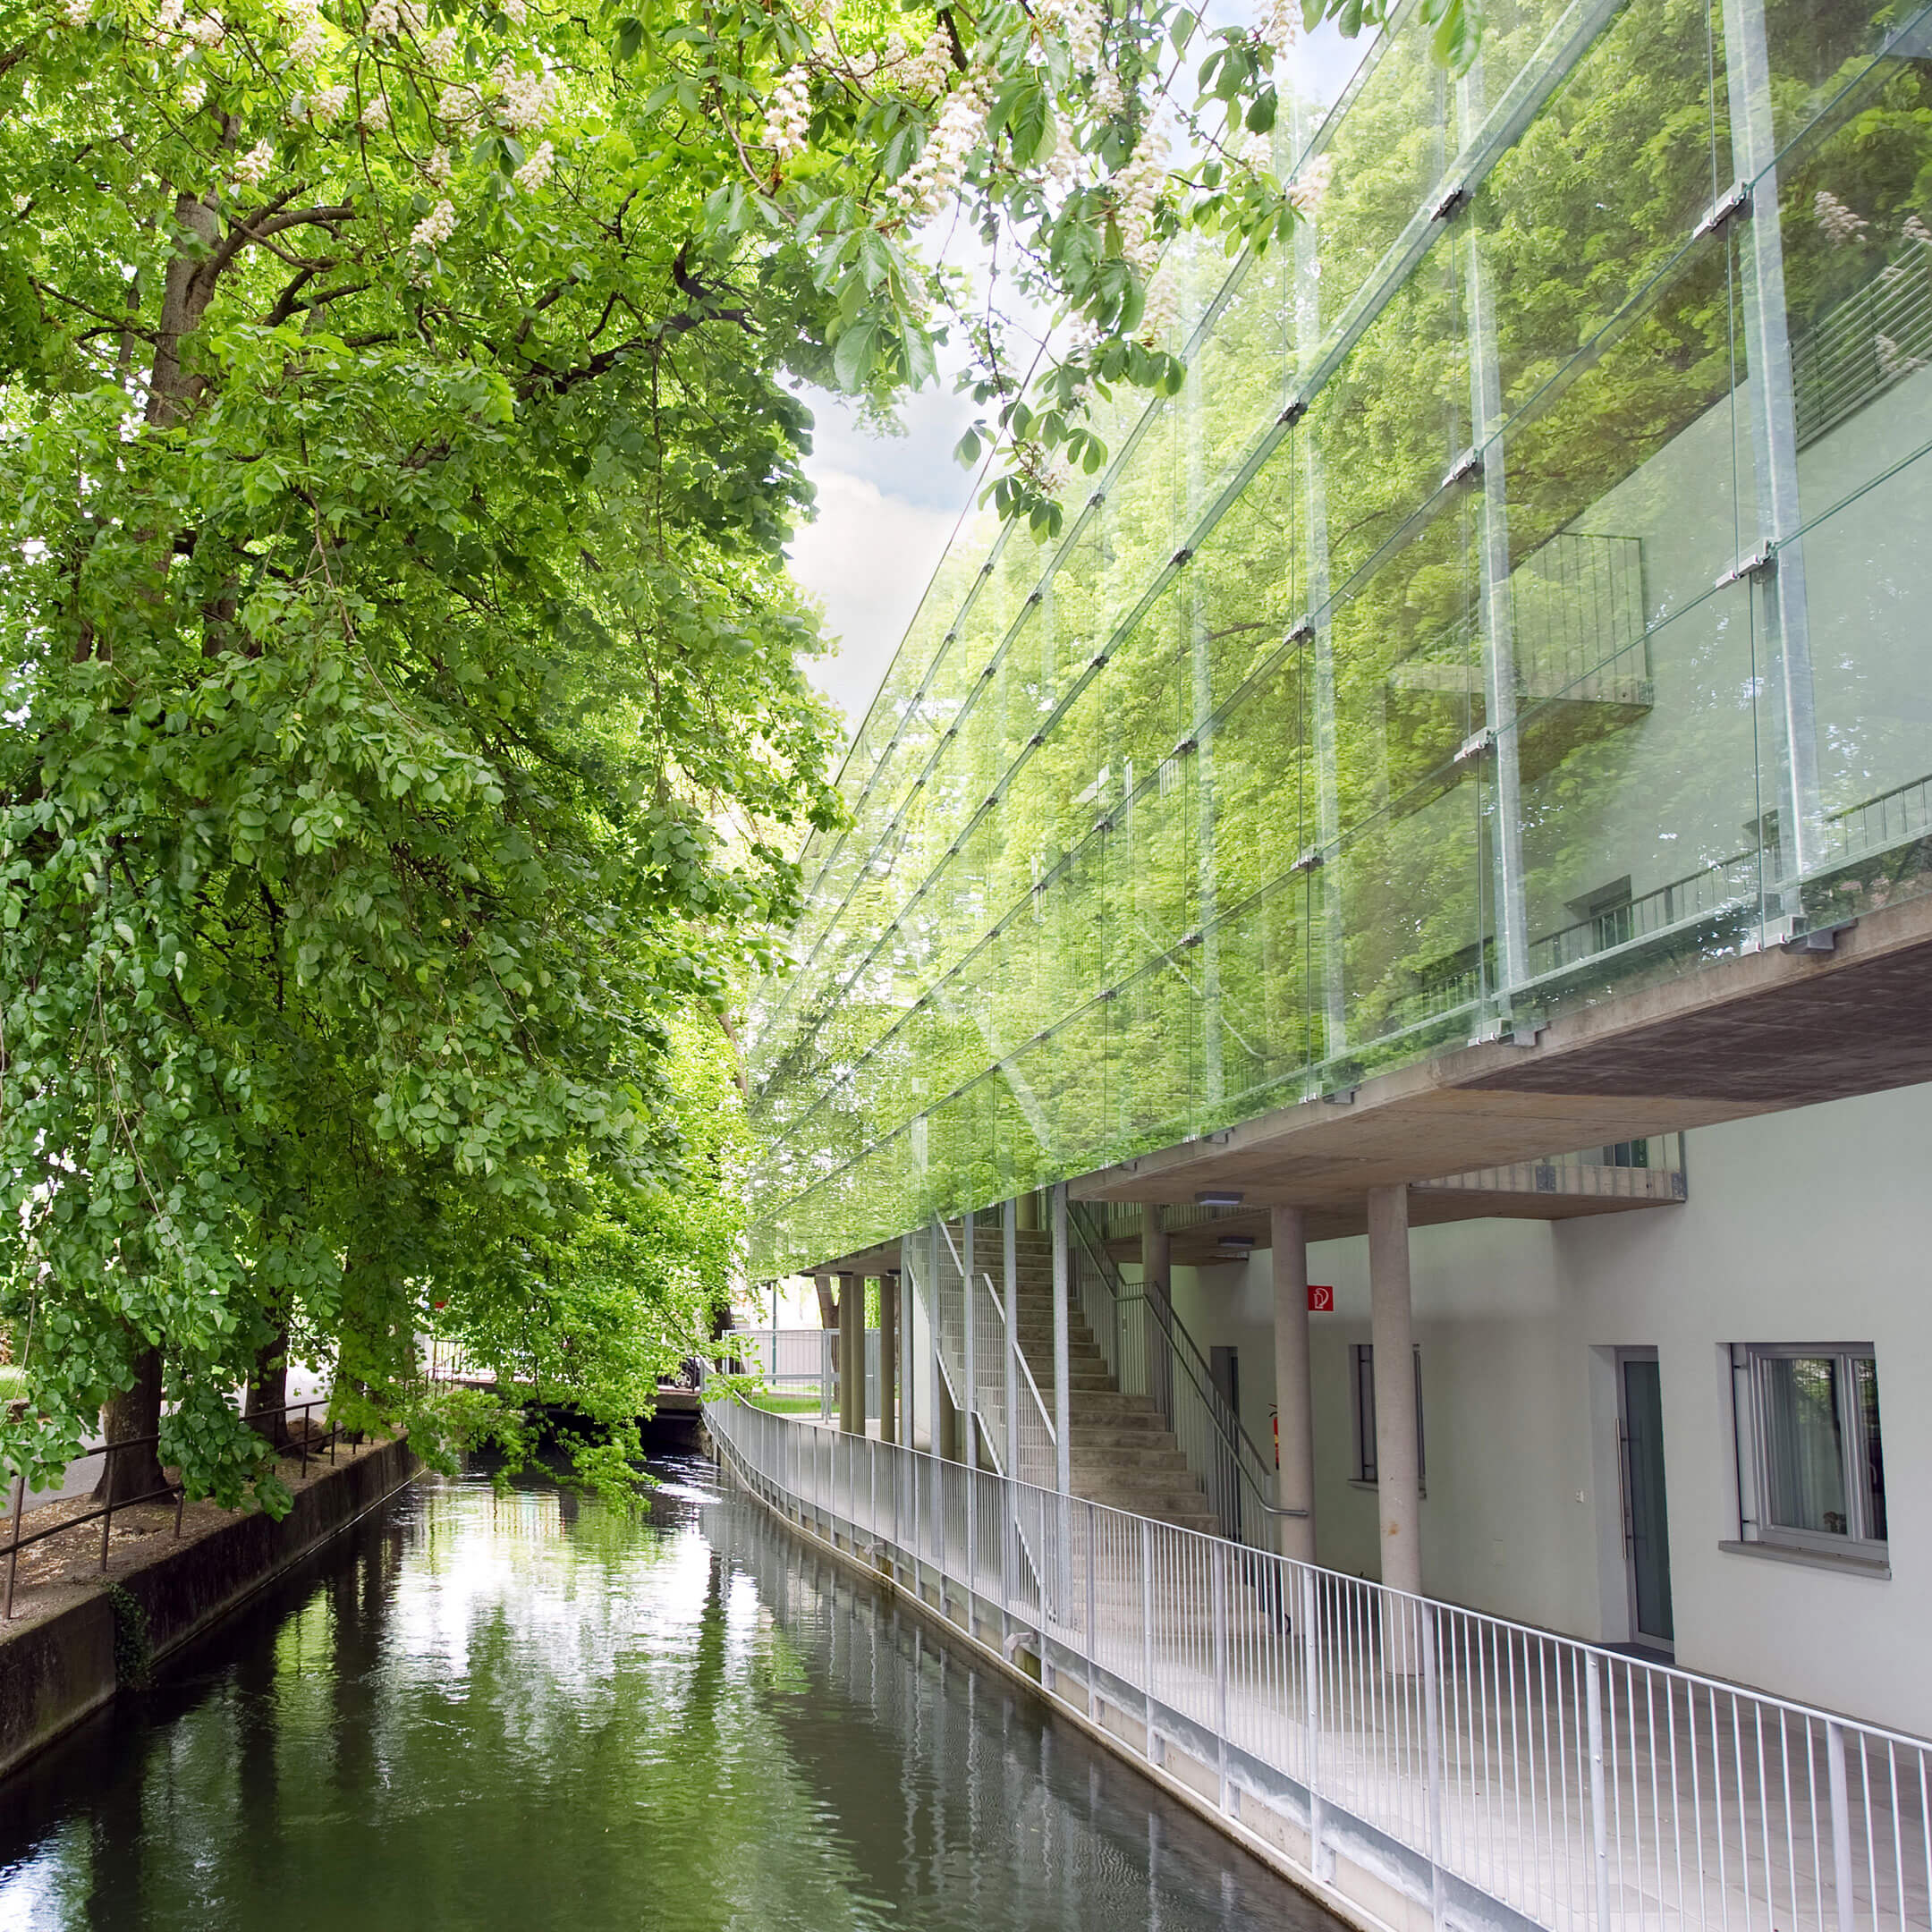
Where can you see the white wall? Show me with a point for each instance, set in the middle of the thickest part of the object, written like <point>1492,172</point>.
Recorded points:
<point>1812,1226</point>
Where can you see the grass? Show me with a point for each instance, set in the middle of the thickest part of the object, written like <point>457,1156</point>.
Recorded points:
<point>782,1404</point>
<point>13,1383</point>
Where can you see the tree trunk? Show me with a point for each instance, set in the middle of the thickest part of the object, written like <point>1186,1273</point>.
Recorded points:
<point>128,1473</point>
<point>267,1391</point>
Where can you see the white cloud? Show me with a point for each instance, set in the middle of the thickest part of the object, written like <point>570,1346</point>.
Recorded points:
<point>867,559</point>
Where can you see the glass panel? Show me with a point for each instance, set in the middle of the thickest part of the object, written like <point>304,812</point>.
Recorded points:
<point>1818,47</point>
<point>1844,646</point>
<point>1803,1443</point>
<point>1568,229</point>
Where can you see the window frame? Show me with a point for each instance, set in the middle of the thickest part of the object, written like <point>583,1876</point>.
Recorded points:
<point>1751,1399</point>
<point>1362,1463</point>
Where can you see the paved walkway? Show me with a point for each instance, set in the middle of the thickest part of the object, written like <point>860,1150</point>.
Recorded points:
<point>1715,1807</point>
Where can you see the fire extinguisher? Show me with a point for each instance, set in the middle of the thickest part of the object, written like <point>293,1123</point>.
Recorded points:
<point>1274,1416</point>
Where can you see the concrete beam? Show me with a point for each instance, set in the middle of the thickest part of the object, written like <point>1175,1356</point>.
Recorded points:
<point>1747,1035</point>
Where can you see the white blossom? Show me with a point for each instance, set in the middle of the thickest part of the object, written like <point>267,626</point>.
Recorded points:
<point>208,29</point>
<point>788,114</point>
<point>1841,226</point>
<point>441,49</point>
<point>192,95</point>
<point>516,11</point>
<point>376,114</point>
<point>927,186</point>
<point>523,99</point>
<point>76,13</point>
<point>1280,27</point>
<point>1312,185</point>
<point>168,15</point>
<point>327,105</point>
<point>311,42</point>
<point>254,165</point>
<point>385,19</point>
<point>434,229</point>
<point>1137,190</point>
<point>460,105</point>
<point>437,167</point>
<point>536,171</point>
<point>1915,230</point>
<point>1078,23</point>
<point>1163,304</point>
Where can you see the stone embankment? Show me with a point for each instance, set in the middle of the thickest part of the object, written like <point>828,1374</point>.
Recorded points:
<point>77,1634</point>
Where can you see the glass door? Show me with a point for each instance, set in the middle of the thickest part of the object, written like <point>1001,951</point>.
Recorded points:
<point>1645,1512</point>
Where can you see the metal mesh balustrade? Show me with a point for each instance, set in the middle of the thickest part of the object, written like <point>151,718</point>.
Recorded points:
<point>1468,1761</point>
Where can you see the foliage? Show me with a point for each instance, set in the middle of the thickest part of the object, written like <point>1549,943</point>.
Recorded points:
<point>401,441</point>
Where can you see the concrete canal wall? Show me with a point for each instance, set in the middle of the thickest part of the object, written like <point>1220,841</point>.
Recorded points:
<point>62,1667</point>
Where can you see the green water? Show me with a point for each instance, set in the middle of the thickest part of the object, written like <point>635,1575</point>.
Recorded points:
<point>485,1712</point>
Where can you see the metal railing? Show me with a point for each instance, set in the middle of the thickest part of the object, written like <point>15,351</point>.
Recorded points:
<point>1483,1772</point>
<point>1150,1352</point>
<point>959,1298</point>
<point>175,1491</point>
<point>804,1362</point>
<point>1873,338</point>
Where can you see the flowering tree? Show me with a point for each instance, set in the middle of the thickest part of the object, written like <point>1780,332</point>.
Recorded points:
<point>403,710</point>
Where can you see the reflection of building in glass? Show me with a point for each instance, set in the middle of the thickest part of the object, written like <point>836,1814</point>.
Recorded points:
<point>1486,712</point>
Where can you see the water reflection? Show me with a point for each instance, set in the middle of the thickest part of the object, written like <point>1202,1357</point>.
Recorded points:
<point>485,1711</point>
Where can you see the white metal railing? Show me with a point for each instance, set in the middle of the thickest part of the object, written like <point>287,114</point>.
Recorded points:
<point>951,1302</point>
<point>804,1362</point>
<point>1490,1773</point>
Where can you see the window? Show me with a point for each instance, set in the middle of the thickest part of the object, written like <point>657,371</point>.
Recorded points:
<point>1810,1467</point>
<point>1361,1357</point>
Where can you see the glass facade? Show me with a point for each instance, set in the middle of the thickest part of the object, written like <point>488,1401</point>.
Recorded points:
<point>1518,601</point>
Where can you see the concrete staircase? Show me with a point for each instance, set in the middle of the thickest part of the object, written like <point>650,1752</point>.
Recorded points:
<point>1121,1452</point>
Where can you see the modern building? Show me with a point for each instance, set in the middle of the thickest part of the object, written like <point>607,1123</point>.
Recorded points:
<point>1411,915</point>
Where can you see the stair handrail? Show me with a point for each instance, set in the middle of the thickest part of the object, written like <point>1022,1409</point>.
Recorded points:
<point>1026,1374</point>
<point>1244,1452</point>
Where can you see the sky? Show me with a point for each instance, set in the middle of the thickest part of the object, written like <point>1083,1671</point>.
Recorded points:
<point>886,507</point>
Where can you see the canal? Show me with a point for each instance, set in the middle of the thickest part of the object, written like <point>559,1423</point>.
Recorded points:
<point>484,1711</point>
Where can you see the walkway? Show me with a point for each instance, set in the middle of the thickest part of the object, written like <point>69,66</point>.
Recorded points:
<point>1476,1772</point>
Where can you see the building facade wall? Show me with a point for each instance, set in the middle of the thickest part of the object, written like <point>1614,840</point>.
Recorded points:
<point>1813,1225</point>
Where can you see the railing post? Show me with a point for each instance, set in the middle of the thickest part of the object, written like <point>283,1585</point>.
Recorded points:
<point>1600,1832</point>
<point>1093,1627</point>
<point>1147,1635</point>
<point>20,1503</point>
<point>1312,1719</point>
<point>1217,1559</point>
<point>1433,1744</point>
<point>1841,1823</point>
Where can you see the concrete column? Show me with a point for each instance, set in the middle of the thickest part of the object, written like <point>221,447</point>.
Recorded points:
<point>828,1359</point>
<point>1010,1272</point>
<point>908,1367</point>
<point>935,1375</point>
<point>1154,1274</point>
<point>1393,1329</point>
<point>888,1358</point>
<point>851,1354</point>
<point>1294,1422</point>
<point>1061,1385</point>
